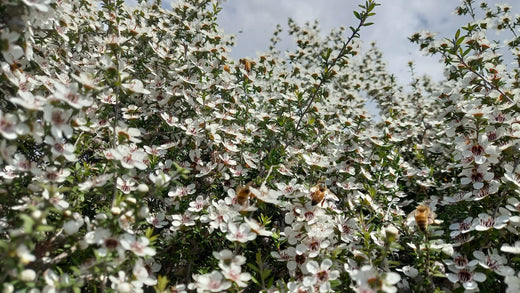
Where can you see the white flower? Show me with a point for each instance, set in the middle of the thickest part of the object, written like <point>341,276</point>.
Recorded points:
<point>219,214</point>
<point>126,184</point>
<point>52,174</point>
<point>211,282</point>
<point>515,249</point>
<point>181,191</point>
<point>348,228</point>
<point>513,177</point>
<point>143,188</point>
<point>240,233</point>
<point>59,120</point>
<point>136,86</point>
<point>128,133</point>
<point>466,276</point>
<point>159,178</point>
<point>226,257</point>
<point>257,227</point>
<point>316,160</point>
<point>233,272</point>
<point>142,274</point>
<point>493,261</point>
<point>95,181</point>
<point>10,127</point>
<point>157,220</point>
<point>226,159</point>
<point>120,284</point>
<point>72,226</point>
<point>12,52</point>
<point>484,222</point>
<point>97,236</point>
<point>41,5</point>
<point>320,275</point>
<point>186,219</point>
<point>477,176</point>
<point>70,95</point>
<point>24,254</point>
<point>87,79</point>
<point>179,288</point>
<point>61,148</point>
<point>294,256</point>
<point>513,283</point>
<point>410,271</point>
<point>198,205</point>
<point>206,169</point>
<point>139,246</point>
<point>266,195</point>
<point>284,170</point>
<point>461,228</point>
<point>7,288</point>
<point>27,275</point>
<point>51,278</point>
<point>462,271</point>
<point>130,157</point>
<point>367,278</point>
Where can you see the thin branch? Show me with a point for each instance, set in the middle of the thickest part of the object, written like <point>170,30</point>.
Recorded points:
<point>484,79</point>
<point>328,70</point>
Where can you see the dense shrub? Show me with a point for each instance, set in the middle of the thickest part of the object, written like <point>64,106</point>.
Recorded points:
<point>137,155</point>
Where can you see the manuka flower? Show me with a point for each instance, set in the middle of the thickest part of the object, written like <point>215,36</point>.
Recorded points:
<point>320,275</point>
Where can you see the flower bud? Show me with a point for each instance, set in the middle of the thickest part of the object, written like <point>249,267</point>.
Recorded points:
<point>28,275</point>
<point>390,234</point>
<point>142,188</point>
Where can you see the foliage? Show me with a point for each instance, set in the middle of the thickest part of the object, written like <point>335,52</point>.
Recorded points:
<point>137,155</point>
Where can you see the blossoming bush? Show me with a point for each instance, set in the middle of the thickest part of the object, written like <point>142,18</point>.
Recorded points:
<point>137,155</point>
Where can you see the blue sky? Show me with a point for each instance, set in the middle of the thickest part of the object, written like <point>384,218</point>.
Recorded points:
<point>253,21</point>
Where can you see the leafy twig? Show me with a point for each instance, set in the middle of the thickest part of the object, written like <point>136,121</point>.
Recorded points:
<point>461,60</point>
<point>363,16</point>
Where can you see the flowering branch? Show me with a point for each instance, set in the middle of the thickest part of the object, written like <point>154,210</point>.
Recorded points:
<point>328,72</point>
<point>495,87</point>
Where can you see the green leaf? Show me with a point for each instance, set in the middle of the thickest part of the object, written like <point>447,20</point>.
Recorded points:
<point>460,40</point>
<point>162,282</point>
<point>258,257</point>
<point>356,14</point>
<point>45,228</point>
<point>255,280</point>
<point>28,223</point>
<point>267,273</point>
<point>439,275</point>
<point>253,267</point>
<point>335,283</point>
<point>326,53</point>
<point>270,282</point>
<point>148,233</point>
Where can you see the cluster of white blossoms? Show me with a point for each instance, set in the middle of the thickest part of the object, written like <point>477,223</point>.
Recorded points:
<point>136,155</point>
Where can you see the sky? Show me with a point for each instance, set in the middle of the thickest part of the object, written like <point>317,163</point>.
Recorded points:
<point>254,21</point>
